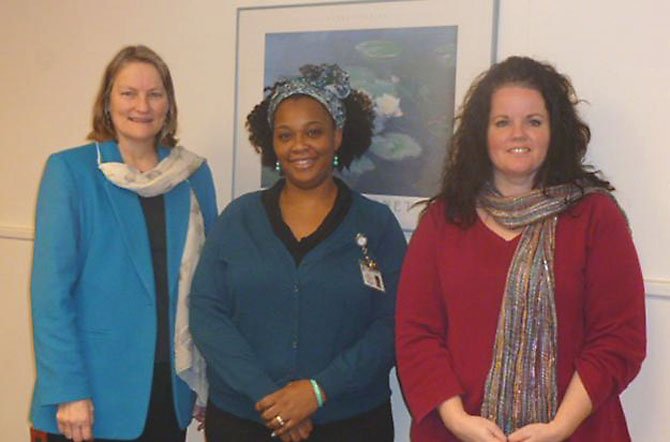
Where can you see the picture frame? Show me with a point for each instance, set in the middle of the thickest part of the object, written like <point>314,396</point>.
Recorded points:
<point>415,58</point>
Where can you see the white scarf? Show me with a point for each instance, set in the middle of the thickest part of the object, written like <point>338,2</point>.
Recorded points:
<point>178,166</point>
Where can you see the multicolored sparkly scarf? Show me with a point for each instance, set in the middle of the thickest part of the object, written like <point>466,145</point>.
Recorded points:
<point>521,384</point>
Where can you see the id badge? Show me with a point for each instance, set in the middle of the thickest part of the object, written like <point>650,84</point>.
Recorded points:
<point>372,277</point>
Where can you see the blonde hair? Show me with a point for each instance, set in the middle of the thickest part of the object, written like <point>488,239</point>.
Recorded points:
<point>103,128</point>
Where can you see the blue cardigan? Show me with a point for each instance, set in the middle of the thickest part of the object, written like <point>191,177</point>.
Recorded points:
<point>93,294</point>
<point>262,322</point>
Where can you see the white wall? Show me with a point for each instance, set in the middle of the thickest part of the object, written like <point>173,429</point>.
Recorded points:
<point>16,358</point>
<point>51,58</point>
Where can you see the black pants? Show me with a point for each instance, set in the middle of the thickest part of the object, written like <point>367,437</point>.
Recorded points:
<point>373,426</point>
<point>161,425</point>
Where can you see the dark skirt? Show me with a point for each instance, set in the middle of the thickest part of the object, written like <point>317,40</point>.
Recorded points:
<point>161,422</point>
<point>375,425</point>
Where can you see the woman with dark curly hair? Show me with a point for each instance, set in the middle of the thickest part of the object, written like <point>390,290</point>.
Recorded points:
<point>294,297</point>
<point>521,304</point>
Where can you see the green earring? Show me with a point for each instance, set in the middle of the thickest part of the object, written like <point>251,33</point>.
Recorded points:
<point>336,161</point>
<point>277,167</point>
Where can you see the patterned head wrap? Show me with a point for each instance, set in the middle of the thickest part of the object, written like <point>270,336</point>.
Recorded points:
<point>326,83</point>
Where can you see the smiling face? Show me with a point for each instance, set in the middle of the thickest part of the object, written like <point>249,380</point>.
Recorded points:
<point>138,104</point>
<point>518,137</point>
<point>305,140</point>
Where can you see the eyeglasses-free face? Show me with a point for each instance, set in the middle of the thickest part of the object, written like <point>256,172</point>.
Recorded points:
<point>138,104</point>
<point>518,137</point>
<point>305,141</point>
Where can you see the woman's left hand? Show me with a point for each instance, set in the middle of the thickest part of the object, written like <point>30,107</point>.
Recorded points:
<point>537,433</point>
<point>299,433</point>
<point>292,404</point>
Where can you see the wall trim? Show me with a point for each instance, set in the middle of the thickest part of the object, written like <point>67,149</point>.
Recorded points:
<point>654,287</point>
<point>657,288</point>
<point>17,232</point>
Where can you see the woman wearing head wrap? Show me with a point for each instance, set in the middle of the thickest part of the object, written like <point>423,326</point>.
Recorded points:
<point>521,304</point>
<point>293,300</point>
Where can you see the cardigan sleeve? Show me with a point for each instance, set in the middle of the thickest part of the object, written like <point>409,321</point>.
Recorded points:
<point>424,361</point>
<point>56,266</point>
<point>224,348</point>
<point>373,355</point>
<point>614,308</point>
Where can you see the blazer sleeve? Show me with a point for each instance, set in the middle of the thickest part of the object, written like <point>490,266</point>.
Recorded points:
<point>61,373</point>
<point>373,355</point>
<point>615,338</point>
<point>206,193</point>
<point>425,369</point>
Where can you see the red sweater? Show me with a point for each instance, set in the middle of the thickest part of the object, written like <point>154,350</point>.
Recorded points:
<point>450,295</point>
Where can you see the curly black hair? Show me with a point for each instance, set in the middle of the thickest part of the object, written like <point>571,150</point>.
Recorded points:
<point>468,167</point>
<point>356,133</point>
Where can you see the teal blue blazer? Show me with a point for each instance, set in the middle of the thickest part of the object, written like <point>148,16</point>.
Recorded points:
<point>93,294</point>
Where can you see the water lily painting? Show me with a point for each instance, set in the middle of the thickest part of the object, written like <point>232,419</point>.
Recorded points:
<point>409,73</point>
<point>414,58</point>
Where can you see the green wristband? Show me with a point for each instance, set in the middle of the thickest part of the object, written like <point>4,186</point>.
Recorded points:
<point>317,392</point>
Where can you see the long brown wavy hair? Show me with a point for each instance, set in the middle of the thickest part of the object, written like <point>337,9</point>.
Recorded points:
<point>468,168</point>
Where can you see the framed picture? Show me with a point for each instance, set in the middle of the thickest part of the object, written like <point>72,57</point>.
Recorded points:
<point>415,59</point>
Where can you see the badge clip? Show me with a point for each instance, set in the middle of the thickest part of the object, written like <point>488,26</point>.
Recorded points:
<point>372,276</point>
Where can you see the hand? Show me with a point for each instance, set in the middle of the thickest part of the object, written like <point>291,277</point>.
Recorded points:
<point>299,433</point>
<point>293,403</point>
<point>470,428</point>
<point>199,415</point>
<point>537,433</point>
<point>75,420</point>
<point>466,427</point>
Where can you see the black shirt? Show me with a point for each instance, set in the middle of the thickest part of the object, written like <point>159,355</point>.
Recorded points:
<point>300,248</point>
<point>154,215</point>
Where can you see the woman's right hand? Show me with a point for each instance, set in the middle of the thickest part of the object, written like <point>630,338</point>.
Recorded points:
<point>75,420</point>
<point>293,403</point>
<point>478,429</point>
<point>466,427</point>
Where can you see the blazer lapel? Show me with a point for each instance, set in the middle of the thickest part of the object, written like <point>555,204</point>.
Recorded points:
<point>128,214</point>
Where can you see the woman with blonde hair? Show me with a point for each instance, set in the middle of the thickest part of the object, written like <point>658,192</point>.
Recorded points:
<point>120,223</point>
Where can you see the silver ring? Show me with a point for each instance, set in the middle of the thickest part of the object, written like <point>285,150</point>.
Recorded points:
<point>280,421</point>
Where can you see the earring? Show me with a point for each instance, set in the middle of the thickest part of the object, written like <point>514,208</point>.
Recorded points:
<point>277,167</point>
<point>336,161</point>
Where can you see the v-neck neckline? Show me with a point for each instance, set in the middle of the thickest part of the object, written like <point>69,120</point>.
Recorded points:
<point>300,249</point>
<point>497,236</point>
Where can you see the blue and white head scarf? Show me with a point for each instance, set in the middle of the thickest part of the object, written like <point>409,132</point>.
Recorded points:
<point>326,83</point>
